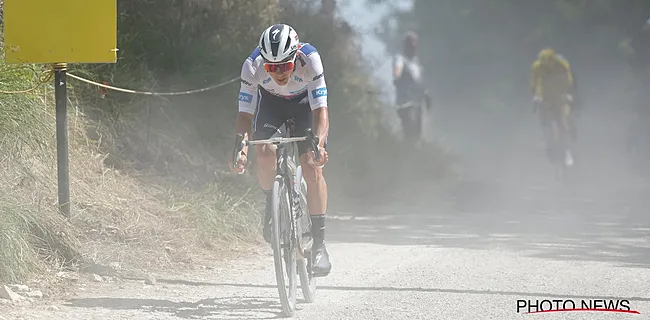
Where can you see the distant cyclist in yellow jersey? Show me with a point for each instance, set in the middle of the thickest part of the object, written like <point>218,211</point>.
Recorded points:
<point>552,87</point>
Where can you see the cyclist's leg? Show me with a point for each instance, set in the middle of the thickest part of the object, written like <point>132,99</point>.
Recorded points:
<point>316,191</point>
<point>416,119</point>
<point>404,116</point>
<point>268,119</point>
<point>411,123</point>
<point>567,119</point>
<point>573,108</point>
<point>561,114</point>
<point>267,122</point>
<point>546,120</point>
<point>562,117</point>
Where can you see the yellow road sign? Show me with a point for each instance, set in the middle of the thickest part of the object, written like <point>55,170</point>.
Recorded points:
<point>51,31</point>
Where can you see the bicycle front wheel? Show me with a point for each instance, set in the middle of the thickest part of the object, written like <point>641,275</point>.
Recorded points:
<point>284,249</point>
<point>307,279</point>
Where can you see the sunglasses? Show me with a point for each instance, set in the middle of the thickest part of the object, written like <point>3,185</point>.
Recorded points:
<point>279,67</point>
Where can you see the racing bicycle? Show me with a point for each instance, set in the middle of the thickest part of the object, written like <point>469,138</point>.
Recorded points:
<point>290,222</point>
<point>558,140</point>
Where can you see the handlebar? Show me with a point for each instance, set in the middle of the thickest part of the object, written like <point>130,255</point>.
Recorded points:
<point>240,143</point>
<point>275,141</point>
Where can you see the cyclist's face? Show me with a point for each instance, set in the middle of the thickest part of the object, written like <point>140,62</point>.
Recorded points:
<point>410,46</point>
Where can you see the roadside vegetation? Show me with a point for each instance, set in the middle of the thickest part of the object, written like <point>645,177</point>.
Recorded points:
<point>149,178</point>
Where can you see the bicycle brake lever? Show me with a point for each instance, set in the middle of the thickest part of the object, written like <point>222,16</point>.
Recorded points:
<point>314,143</point>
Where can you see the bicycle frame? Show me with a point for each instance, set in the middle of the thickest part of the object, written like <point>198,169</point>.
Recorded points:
<point>286,166</point>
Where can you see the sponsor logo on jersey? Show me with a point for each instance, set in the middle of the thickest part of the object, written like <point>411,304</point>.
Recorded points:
<point>266,81</point>
<point>246,82</point>
<point>245,97</point>
<point>320,92</point>
<point>317,77</point>
<point>297,78</point>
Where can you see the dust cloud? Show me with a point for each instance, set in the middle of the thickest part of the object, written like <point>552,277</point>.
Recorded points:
<point>509,196</point>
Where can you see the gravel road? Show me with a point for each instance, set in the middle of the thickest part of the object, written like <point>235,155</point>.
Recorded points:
<point>451,259</point>
<point>507,232</point>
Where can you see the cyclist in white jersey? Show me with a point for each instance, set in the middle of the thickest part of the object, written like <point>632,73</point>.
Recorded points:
<point>283,79</point>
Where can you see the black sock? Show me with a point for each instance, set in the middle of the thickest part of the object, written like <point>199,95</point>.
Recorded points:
<point>318,228</point>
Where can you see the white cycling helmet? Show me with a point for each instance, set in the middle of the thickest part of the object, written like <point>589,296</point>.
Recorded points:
<point>279,43</point>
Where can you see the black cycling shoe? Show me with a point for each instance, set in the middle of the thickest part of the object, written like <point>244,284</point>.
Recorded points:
<point>321,265</point>
<point>266,223</point>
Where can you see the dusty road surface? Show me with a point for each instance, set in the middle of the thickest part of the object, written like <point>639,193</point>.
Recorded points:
<point>469,257</point>
<point>508,232</point>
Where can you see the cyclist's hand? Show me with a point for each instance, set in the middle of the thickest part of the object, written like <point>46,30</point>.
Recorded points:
<point>241,163</point>
<point>322,159</point>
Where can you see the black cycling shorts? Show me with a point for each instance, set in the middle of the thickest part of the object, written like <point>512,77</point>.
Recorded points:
<point>273,111</point>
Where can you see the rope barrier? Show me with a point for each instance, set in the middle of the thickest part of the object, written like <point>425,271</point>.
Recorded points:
<point>42,79</point>
<point>153,93</point>
<point>22,91</point>
<point>47,76</point>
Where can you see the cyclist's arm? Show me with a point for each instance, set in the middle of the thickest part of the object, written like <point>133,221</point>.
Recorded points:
<point>398,67</point>
<point>569,75</point>
<point>534,78</point>
<point>321,125</point>
<point>317,92</point>
<point>574,86</point>
<point>244,124</point>
<point>247,98</point>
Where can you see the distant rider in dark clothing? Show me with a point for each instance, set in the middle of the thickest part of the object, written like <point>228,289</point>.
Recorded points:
<point>411,95</point>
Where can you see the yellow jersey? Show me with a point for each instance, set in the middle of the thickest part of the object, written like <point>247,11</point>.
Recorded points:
<point>551,76</point>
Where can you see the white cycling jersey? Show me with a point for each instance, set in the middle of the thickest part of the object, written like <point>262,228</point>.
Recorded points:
<point>307,80</point>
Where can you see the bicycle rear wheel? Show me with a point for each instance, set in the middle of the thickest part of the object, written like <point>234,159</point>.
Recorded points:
<point>284,250</point>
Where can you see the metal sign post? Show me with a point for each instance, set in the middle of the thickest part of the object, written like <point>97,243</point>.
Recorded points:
<point>49,32</point>
<point>61,97</point>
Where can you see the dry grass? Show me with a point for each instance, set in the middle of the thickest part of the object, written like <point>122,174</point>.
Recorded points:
<point>117,216</point>
<point>148,185</point>
<point>33,233</point>
<point>153,222</point>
